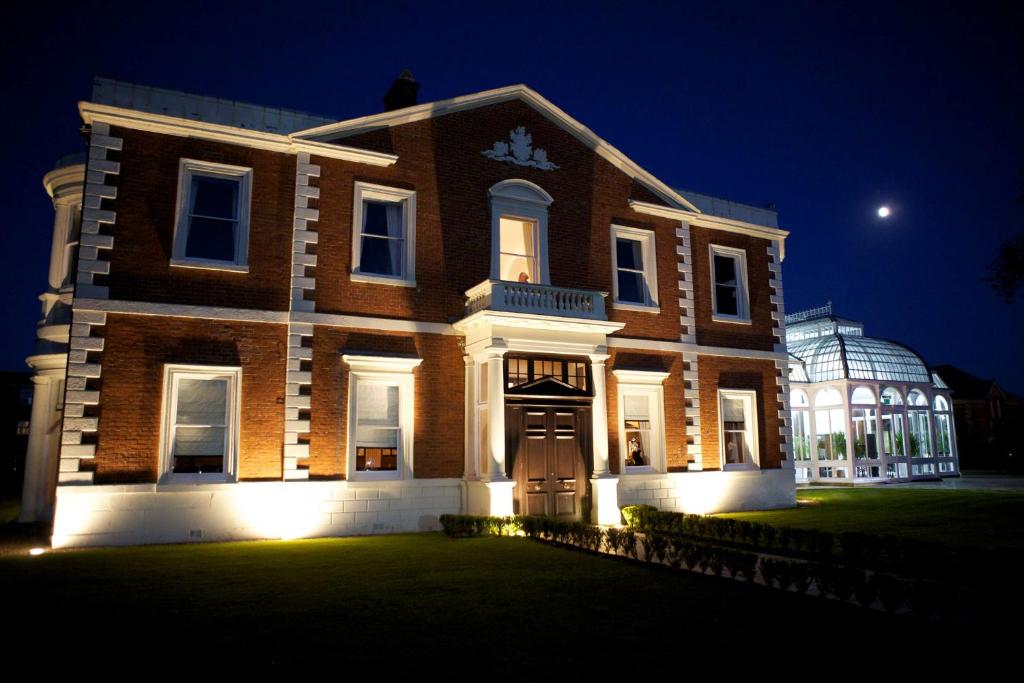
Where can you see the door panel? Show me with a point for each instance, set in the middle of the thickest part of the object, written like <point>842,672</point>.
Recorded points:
<point>549,471</point>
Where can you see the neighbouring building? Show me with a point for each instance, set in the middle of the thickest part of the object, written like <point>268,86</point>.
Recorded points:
<point>988,420</point>
<point>16,408</point>
<point>864,409</point>
<point>279,325</point>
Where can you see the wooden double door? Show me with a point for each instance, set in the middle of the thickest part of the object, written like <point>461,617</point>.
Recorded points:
<point>549,466</point>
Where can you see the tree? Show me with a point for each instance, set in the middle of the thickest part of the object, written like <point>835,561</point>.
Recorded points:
<point>1006,271</point>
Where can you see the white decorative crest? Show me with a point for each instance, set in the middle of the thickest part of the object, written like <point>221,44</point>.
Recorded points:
<point>519,150</point>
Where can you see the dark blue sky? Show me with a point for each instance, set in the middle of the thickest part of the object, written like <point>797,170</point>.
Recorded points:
<point>827,110</point>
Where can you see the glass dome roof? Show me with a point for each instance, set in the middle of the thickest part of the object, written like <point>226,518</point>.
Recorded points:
<point>840,356</point>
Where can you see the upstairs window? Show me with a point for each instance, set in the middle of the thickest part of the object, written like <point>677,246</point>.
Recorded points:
<point>729,285</point>
<point>519,232</point>
<point>212,229</point>
<point>517,249</point>
<point>384,235</point>
<point>635,274</point>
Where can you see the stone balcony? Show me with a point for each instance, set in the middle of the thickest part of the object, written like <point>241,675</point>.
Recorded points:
<point>532,299</point>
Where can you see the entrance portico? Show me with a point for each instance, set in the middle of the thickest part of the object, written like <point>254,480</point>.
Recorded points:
<point>534,321</point>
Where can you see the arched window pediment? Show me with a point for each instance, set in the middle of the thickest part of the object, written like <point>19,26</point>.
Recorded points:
<point>519,190</point>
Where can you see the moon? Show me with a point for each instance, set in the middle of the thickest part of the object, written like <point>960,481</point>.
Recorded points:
<point>884,211</point>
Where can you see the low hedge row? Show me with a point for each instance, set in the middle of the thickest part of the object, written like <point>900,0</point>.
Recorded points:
<point>922,597</point>
<point>890,552</point>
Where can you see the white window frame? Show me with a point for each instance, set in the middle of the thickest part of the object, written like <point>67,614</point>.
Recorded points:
<point>187,168</point>
<point>383,193</point>
<point>650,385</point>
<point>742,295</point>
<point>646,239</point>
<point>520,200</point>
<point>749,398</point>
<point>169,407</point>
<point>382,371</point>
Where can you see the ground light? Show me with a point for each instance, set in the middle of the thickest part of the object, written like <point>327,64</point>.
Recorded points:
<point>36,552</point>
<point>884,211</point>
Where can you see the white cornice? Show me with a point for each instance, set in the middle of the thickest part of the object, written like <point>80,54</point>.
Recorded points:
<point>715,222</point>
<point>71,177</point>
<point>364,363</point>
<point>488,97</point>
<point>274,142</point>
<point>536,322</point>
<point>625,376</point>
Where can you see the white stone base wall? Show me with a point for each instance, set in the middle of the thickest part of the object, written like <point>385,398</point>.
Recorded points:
<point>146,513</point>
<point>709,492</point>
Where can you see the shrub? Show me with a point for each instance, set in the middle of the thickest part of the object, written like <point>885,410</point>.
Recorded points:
<point>636,515</point>
<point>890,592</point>
<point>864,589</point>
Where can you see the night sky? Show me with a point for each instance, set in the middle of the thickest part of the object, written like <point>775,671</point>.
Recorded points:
<point>827,111</point>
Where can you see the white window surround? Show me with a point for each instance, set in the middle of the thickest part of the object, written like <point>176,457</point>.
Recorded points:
<point>521,199</point>
<point>749,399</point>
<point>649,384</point>
<point>173,373</point>
<point>743,292</point>
<point>191,167</point>
<point>382,371</point>
<point>646,238</point>
<point>407,198</point>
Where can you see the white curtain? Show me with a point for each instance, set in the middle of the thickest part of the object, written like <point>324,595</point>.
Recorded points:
<point>395,243</point>
<point>201,416</point>
<point>377,415</point>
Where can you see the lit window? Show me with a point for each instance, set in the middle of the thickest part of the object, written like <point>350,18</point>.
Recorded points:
<point>212,229</point>
<point>200,422</point>
<point>738,425</point>
<point>830,425</point>
<point>635,283</point>
<point>380,417</point>
<point>384,235</point>
<point>641,403</point>
<point>801,426</point>
<point>519,229</point>
<point>23,427</point>
<point>943,430</point>
<point>729,284</point>
<point>517,250</point>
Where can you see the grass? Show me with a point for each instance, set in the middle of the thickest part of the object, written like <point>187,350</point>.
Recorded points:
<point>417,603</point>
<point>985,518</point>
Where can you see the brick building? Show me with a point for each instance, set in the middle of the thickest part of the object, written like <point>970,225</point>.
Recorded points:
<point>280,325</point>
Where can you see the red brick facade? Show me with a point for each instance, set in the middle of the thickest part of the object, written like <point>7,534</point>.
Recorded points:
<point>440,158</point>
<point>719,372</point>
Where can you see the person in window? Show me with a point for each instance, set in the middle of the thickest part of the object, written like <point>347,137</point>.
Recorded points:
<point>524,277</point>
<point>635,458</point>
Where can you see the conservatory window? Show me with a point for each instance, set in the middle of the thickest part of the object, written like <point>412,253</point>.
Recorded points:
<point>212,226</point>
<point>635,283</point>
<point>920,432</point>
<point>801,426</point>
<point>943,429</point>
<point>738,425</point>
<point>865,431</point>
<point>384,235</point>
<point>830,425</point>
<point>200,408</point>
<point>729,284</point>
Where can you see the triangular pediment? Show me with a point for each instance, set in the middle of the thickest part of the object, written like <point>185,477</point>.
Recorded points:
<point>546,386</point>
<point>337,132</point>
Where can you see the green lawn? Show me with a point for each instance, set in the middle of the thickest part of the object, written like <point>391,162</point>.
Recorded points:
<point>986,518</point>
<point>492,607</point>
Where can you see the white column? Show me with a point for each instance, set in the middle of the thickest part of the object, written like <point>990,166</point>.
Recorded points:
<point>469,438</point>
<point>41,456</point>
<point>496,415</point>
<point>599,415</point>
<point>604,485</point>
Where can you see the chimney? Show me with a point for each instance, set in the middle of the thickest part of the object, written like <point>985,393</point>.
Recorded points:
<point>402,93</point>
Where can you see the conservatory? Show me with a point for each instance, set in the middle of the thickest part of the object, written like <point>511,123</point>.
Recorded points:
<point>864,409</point>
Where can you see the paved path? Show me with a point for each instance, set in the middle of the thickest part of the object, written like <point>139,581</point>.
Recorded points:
<point>967,482</point>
